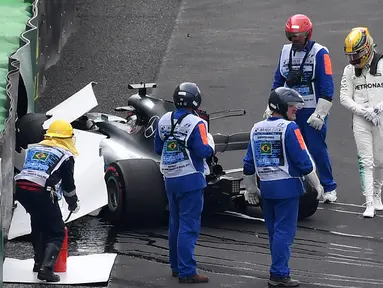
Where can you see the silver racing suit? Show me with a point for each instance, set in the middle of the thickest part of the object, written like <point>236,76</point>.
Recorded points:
<point>363,96</point>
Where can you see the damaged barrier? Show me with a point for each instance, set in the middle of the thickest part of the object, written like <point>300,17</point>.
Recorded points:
<point>56,22</point>
<point>15,15</point>
<point>35,34</point>
<point>53,23</point>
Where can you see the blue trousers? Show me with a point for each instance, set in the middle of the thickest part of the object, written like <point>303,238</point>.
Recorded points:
<point>184,228</point>
<point>316,144</point>
<point>281,217</point>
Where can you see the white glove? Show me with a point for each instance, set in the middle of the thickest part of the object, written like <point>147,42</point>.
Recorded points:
<point>77,207</point>
<point>314,182</point>
<point>358,110</point>
<point>378,108</point>
<point>252,193</point>
<point>267,112</point>
<point>376,121</point>
<point>371,115</point>
<point>316,119</point>
<point>211,142</point>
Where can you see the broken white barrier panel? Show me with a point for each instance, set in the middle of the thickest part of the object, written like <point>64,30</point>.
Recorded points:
<point>89,179</point>
<point>83,269</point>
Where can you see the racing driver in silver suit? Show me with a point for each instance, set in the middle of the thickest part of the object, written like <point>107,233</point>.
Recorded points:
<point>361,93</point>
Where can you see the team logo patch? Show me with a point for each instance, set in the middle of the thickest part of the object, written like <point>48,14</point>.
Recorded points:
<point>40,156</point>
<point>265,148</point>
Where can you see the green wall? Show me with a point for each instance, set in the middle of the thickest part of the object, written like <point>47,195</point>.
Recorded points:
<point>14,15</point>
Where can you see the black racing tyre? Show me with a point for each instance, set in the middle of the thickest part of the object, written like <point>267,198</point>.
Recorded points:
<point>115,186</point>
<point>29,130</point>
<point>136,192</point>
<point>308,204</point>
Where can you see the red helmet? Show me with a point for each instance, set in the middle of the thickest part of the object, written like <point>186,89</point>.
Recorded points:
<point>299,25</point>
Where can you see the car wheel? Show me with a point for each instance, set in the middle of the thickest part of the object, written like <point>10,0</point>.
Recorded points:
<point>29,130</point>
<point>115,187</point>
<point>308,204</point>
<point>136,192</point>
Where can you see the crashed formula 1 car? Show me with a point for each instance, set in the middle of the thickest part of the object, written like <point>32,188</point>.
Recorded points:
<point>134,184</point>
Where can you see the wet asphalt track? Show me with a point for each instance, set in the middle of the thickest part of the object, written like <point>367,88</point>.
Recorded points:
<point>230,48</point>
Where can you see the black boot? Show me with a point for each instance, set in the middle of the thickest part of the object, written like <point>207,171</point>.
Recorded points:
<point>46,271</point>
<point>38,260</point>
<point>282,282</point>
<point>38,249</point>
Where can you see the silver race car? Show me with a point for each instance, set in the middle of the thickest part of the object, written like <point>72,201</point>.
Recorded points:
<point>135,186</point>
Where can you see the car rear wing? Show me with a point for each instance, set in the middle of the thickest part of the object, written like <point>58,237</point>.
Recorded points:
<point>231,142</point>
<point>142,87</point>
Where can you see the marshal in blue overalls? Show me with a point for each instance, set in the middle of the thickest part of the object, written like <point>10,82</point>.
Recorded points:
<point>184,144</point>
<point>277,153</point>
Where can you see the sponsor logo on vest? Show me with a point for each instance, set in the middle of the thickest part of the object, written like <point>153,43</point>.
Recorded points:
<point>368,86</point>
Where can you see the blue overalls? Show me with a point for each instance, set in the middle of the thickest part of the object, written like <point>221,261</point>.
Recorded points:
<point>182,163</point>
<point>317,81</point>
<point>277,153</point>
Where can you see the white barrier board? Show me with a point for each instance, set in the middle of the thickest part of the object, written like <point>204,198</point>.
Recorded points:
<point>75,106</point>
<point>80,270</point>
<point>90,185</point>
<point>89,165</point>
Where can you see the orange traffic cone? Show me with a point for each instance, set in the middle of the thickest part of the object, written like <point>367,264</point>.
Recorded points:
<point>60,265</point>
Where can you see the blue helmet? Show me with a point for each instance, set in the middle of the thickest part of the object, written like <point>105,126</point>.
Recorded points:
<point>280,99</point>
<point>187,95</point>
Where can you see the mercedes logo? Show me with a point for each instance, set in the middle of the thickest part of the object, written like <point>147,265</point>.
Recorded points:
<point>151,127</point>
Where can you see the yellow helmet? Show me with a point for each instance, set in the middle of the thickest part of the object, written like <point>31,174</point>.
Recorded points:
<point>359,46</point>
<point>60,129</point>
